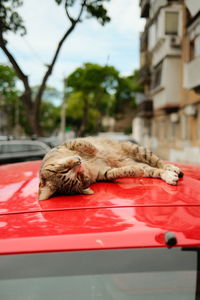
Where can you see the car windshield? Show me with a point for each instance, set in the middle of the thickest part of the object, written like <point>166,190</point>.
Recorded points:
<point>112,274</point>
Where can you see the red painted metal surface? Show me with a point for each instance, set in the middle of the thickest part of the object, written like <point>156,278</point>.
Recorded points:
<point>133,212</point>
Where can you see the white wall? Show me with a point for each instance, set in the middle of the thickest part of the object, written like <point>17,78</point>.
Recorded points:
<point>188,155</point>
<point>155,5</point>
<point>152,37</point>
<point>192,73</point>
<point>172,79</point>
<point>170,84</point>
<point>164,48</point>
<point>137,129</point>
<point>193,6</point>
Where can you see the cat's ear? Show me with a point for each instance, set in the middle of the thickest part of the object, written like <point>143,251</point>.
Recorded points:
<point>88,191</point>
<point>44,192</point>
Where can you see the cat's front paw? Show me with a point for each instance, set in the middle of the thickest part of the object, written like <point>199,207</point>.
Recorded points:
<point>169,167</point>
<point>73,161</point>
<point>76,160</point>
<point>170,177</point>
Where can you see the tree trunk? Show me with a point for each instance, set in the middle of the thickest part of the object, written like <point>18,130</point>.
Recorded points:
<point>33,114</point>
<point>36,125</point>
<point>85,117</point>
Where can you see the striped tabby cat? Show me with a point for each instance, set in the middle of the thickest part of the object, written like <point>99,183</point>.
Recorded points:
<point>73,166</point>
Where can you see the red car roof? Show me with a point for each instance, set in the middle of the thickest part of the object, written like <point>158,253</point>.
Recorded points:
<point>134,212</point>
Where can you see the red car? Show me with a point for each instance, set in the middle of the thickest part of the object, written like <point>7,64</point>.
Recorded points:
<point>138,238</point>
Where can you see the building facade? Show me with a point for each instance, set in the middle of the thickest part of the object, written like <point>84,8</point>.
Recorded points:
<point>168,117</point>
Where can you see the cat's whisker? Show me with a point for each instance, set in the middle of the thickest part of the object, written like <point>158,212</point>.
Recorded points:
<point>66,180</point>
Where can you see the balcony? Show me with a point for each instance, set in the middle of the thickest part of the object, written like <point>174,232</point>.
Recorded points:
<point>144,74</point>
<point>145,108</point>
<point>145,59</point>
<point>191,74</point>
<point>193,6</point>
<point>156,5</point>
<point>145,6</point>
<point>165,84</point>
<point>144,41</point>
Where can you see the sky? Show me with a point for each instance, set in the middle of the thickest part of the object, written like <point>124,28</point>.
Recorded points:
<point>116,43</point>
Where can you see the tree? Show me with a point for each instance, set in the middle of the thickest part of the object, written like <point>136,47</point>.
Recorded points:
<point>49,112</point>
<point>127,88</point>
<point>93,87</point>
<point>12,109</point>
<point>8,80</point>
<point>11,21</point>
<point>50,117</point>
<point>75,114</point>
<point>96,91</point>
<point>9,97</point>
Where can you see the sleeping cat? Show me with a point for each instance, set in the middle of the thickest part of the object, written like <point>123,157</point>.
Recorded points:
<point>73,166</point>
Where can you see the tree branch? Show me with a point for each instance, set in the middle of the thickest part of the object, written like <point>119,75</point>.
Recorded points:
<point>17,68</point>
<point>84,2</point>
<point>67,13</point>
<point>50,67</point>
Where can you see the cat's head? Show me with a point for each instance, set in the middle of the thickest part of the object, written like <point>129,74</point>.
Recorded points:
<point>64,177</point>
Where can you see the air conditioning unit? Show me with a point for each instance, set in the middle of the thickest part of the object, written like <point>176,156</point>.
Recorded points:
<point>174,118</point>
<point>190,110</point>
<point>175,41</point>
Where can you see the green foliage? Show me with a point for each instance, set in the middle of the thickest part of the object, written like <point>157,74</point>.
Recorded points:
<point>10,103</point>
<point>137,87</point>
<point>127,88</point>
<point>12,107</point>
<point>50,117</point>
<point>75,113</point>
<point>8,80</point>
<point>97,82</point>
<point>92,8</point>
<point>75,108</point>
<point>101,91</point>
<point>10,20</point>
<point>97,10</point>
<point>92,77</point>
<point>49,113</point>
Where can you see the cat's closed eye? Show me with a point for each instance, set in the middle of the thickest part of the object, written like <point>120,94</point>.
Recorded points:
<point>64,171</point>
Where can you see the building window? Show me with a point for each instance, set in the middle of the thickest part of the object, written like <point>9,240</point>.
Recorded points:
<point>171,22</point>
<point>185,127</point>
<point>156,76</point>
<point>191,50</point>
<point>195,48</point>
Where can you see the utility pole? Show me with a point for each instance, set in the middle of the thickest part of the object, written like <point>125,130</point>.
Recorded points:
<point>63,113</point>
<point>107,59</point>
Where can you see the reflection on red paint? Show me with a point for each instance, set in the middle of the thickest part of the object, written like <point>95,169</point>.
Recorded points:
<point>133,212</point>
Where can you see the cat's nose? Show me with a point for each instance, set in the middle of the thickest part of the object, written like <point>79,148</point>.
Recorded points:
<point>79,169</point>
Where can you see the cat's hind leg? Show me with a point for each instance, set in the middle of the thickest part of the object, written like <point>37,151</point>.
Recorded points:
<point>141,154</point>
<point>144,155</point>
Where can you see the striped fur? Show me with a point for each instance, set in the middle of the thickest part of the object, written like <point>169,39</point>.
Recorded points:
<point>73,166</point>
